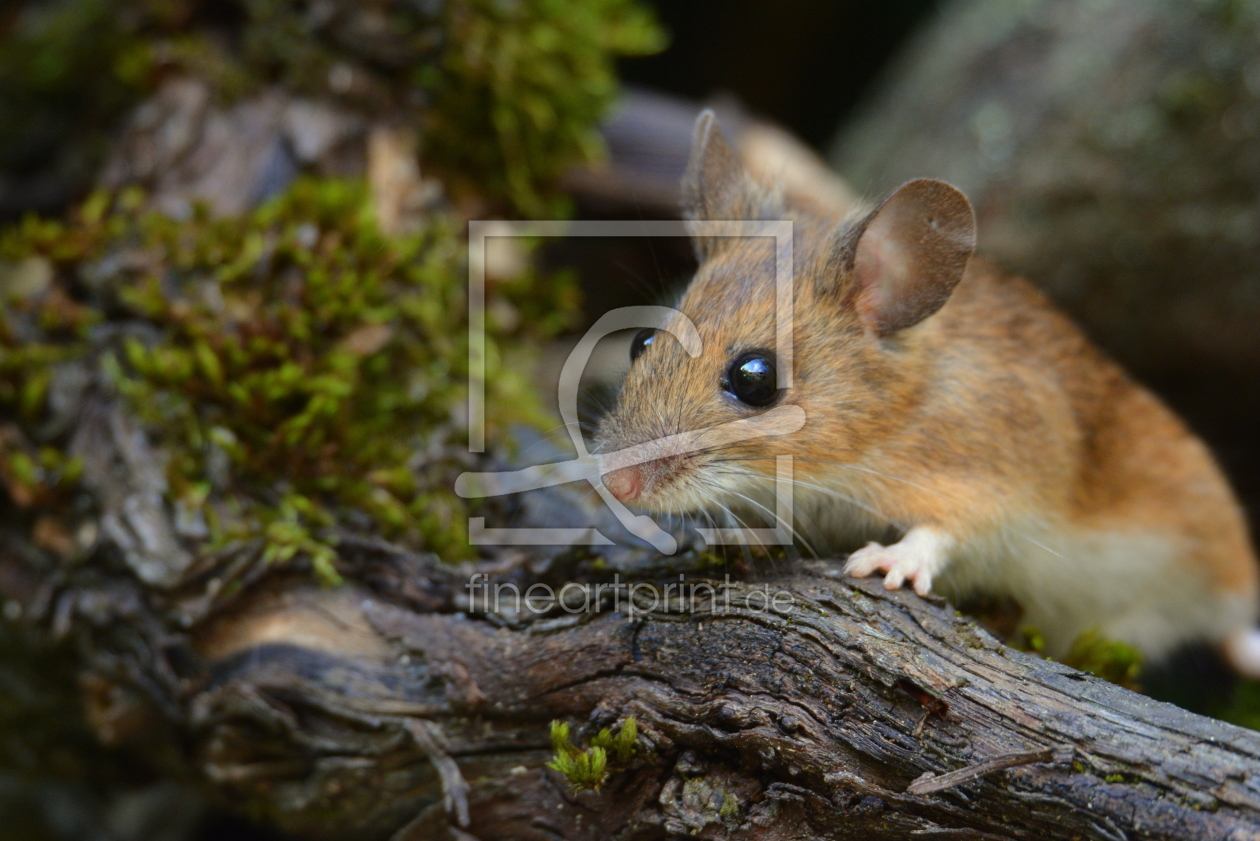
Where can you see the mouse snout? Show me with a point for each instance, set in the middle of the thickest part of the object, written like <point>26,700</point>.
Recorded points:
<point>625,483</point>
<point>633,481</point>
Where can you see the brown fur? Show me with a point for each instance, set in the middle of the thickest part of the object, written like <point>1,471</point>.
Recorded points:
<point>992,413</point>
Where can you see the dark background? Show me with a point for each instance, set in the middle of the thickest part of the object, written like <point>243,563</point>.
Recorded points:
<point>802,63</point>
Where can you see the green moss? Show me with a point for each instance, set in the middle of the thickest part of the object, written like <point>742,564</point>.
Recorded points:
<point>584,769</point>
<point>588,769</point>
<point>521,85</point>
<point>506,92</point>
<point>622,744</point>
<point>510,90</point>
<point>1111,660</point>
<point>300,368</point>
<point>1243,707</point>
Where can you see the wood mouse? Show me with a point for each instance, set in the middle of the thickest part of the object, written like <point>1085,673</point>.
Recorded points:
<point>949,400</point>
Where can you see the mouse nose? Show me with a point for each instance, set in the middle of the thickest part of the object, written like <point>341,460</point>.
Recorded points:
<point>625,483</point>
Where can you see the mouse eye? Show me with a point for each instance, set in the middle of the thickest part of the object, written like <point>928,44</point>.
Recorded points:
<point>640,343</point>
<point>753,379</point>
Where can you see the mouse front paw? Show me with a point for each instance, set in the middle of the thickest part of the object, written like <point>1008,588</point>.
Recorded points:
<point>916,558</point>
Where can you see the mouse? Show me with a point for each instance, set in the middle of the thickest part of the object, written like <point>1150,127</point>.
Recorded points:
<point>959,429</point>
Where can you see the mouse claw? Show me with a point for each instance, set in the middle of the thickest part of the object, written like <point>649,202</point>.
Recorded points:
<point>864,561</point>
<point>916,558</point>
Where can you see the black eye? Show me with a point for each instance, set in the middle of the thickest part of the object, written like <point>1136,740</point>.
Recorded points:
<point>641,341</point>
<point>752,378</point>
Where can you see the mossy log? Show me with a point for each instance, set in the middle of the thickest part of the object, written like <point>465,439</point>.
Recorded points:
<point>392,707</point>
<point>397,706</point>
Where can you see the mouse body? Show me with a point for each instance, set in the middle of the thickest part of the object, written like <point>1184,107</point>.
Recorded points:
<point>947,403</point>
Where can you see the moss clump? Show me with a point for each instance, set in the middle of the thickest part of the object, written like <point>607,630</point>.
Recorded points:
<point>506,92</point>
<point>1243,707</point>
<point>622,744</point>
<point>301,369</point>
<point>521,84</point>
<point>588,769</point>
<point>1113,661</point>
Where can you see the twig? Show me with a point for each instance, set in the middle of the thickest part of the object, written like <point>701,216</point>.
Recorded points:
<point>930,783</point>
<point>430,739</point>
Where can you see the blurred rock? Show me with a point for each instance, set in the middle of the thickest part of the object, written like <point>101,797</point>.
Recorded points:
<point>315,129</point>
<point>1112,151</point>
<point>122,466</point>
<point>182,147</point>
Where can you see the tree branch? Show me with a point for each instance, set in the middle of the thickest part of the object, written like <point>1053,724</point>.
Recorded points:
<point>360,711</point>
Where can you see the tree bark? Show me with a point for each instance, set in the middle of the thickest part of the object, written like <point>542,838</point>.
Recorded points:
<point>403,705</point>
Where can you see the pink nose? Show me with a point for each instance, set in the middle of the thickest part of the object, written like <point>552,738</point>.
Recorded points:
<point>625,484</point>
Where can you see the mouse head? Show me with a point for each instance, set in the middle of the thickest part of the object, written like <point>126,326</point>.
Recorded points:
<point>863,291</point>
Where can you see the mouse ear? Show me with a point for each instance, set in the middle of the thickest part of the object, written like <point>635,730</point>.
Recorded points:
<point>906,257</point>
<point>716,186</point>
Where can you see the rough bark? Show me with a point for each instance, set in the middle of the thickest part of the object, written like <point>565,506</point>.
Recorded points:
<point>357,712</point>
<point>398,704</point>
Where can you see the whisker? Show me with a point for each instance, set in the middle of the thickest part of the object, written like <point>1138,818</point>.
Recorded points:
<point>1007,527</point>
<point>869,470</point>
<point>775,518</point>
<point>826,490</point>
<point>545,438</point>
<point>733,520</point>
<point>640,282</point>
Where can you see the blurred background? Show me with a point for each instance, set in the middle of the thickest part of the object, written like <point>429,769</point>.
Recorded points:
<point>1111,149</point>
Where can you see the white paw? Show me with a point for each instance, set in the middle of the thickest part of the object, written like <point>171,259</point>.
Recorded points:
<point>916,558</point>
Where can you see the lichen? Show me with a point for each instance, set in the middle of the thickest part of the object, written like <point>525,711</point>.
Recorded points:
<point>301,369</point>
